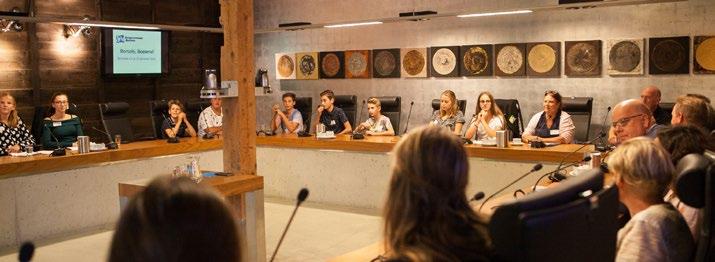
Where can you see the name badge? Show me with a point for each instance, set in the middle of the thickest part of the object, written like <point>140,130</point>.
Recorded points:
<point>332,122</point>
<point>56,124</point>
<point>554,132</point>
<point>435,122</point>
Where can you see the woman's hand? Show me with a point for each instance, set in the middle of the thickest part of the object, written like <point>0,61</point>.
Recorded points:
<point>13,149</point>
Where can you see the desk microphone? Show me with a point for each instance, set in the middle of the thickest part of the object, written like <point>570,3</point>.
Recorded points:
<point>302,195</point>
<point>207,135</point>
<point>536,167</point>
<point>407,125</point>
<point>603,146</point>
<point>356,134</point>
<point>111,144</point>
<point>57,151</point>
<point>478,196</point>
<point>174,139</point>
<point>27,250</point>
<point>306,129</point>
<point>600,135</point>
<point>556,176</point>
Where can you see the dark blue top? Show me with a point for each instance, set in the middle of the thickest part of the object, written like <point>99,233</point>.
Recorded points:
<point>335,120</point>
<point>65,132</point>
<point>543,131</point>
<point>169,124</point>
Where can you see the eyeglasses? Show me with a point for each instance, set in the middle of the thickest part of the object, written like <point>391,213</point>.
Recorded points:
<point>624,121</point>
<point>485,101</point>
<point>61,102</point>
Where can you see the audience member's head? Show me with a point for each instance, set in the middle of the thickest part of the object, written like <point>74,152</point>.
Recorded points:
<point>631,118</point>
<point>682,140</point>
<point>650,96</point>
<point>176,220</point>
<point>710,123</point>
<point>642,169</point>
<point>427,215</point>
<point>692,110</point>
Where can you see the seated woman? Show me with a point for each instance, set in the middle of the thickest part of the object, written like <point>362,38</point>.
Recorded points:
<point>176,220</point>
<point>427,215</point>
<point>656,232</point>
<point>14,136</point>
<point>448,114</point>
<point>377,124</point>
<point>488,121</point>
<point>60,129</point>
<point>679,141</point>
<point>551,125</point>
<point>177,125</point>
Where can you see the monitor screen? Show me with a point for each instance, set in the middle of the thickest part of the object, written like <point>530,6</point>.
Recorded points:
<point>135,52</point>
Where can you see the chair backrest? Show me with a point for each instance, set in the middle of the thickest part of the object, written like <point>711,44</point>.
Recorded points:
<point>115,121</point>
<point>574,221</point>
<point>580,109</point>
<point>695,186</point>
<point>158,111</point>
<point>512,115</point>
<point>461,105</point>
<point>305,106</point>
<point>391,108</point>
<point>667,107</point>
<point>348,103</point>
<point>193,110</point>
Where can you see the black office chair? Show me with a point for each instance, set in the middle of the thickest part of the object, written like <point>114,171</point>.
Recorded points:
<point>158,111</point>
<point>193,110</point>
<point>695,186</point>
<point>667,107</point>
<point>392,108</point>
<point>115,120</point>
<point>575,221</point>
<point>580,109</point>
<point>349,104</point>
<point>461,104</point>
<point>512,114</point>
<point>305,106</point>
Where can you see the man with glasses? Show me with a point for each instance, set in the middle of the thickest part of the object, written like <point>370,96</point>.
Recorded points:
<point>632,118</point>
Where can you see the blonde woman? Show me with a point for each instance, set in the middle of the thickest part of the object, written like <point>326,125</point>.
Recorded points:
<point>488,120</point>
<point>656,232</point>
<point>448,114</point>
<point>427,215</point>
<point>14,136</point>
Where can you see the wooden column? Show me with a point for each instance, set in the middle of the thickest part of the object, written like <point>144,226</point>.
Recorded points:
<point>239,125</point>
<point>239,122</point>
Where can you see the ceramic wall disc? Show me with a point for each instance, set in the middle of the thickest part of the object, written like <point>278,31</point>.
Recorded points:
<point>510,59</point>
<point>625,57</point>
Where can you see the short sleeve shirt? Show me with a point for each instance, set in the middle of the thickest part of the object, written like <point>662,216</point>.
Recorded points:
<point>380,125</point>
<point>495,123</point>
<point>169,124</point>
<point>335,120</point>
<point>450,122</point>
<point>296,117</point>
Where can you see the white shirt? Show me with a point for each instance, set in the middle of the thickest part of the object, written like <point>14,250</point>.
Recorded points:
<point>495,124</point>
<point>207,119</point>
<point>566,127</point>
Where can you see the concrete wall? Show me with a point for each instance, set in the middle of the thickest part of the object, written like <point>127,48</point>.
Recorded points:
<point>694,17</point>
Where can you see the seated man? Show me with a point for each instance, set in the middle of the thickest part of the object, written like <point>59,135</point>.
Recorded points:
<point>289,121</point>
<point>331,116</point>
<point>693,110</point>
<point>650,96</point>
<point>211,119</point>
<point>631,118</point>
<point>377,124</point>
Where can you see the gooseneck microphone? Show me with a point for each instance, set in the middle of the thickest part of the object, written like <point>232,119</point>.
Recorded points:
<point>171,140</point>
<point>356,133</point>
<point>555,175</point>
<point>409,114</point>
<point>603,145</point>
<point>600,135</point>
<point>536,167</point>
<point>302,195</point>
<point>27,250</point>
<point>58,151</point>
<point>111,144</point>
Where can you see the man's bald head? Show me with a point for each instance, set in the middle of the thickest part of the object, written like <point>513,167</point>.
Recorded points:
<point>631,118</point>
<point>650,96</point>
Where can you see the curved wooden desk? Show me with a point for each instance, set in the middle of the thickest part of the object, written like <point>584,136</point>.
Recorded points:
<point>386,143</point>
<point>15,166</point>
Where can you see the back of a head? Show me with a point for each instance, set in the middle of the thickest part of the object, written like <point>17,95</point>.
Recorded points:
<point>695,110</point>
<point>644,165</point>
<point>427,216</point>
<point>682,140</point>
<point>175,220</point>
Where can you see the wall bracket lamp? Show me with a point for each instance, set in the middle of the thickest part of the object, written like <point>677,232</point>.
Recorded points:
<point>76,30</point>
<point>11,25</point>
